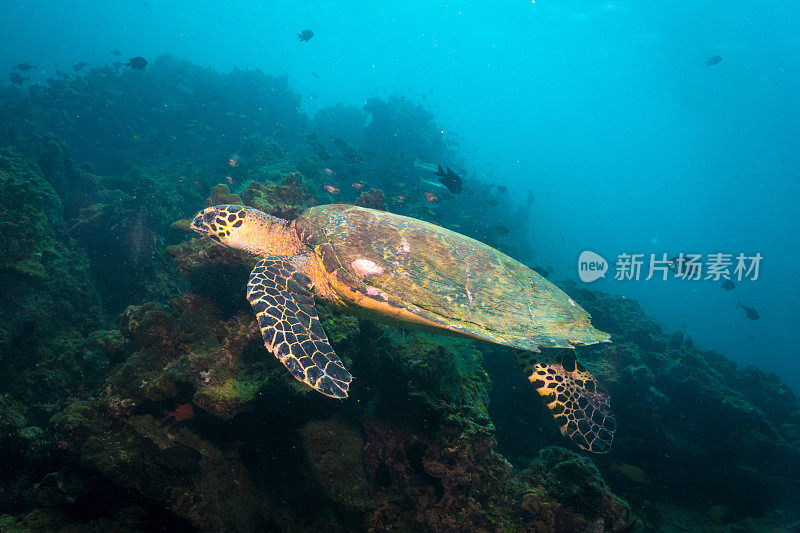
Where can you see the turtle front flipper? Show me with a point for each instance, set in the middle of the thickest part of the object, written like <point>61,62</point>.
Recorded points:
<point>284,305</point>
<point>578,402</point>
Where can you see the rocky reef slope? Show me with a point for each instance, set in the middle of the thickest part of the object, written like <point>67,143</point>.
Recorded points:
<point>135,391</point>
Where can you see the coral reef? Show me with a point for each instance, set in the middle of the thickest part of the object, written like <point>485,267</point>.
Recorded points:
<point>160,408</point>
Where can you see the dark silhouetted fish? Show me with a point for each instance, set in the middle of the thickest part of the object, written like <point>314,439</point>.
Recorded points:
<point>16,79</point>
<point>728,285</point>
<point>678,265</point>
<point>499,229</point>
<point>25,67</point>
<point>305,35</point>
<point>502,189</point>
<point>634,473</point>
<point>543,271</point>
<point>713,60</point>
<point>137,63</point>
<point>347,150</point>
<point>180,458</point>
<point>77,67</point>
<point>116,53</point>
<point>449,179</point>
<point>749,312</point>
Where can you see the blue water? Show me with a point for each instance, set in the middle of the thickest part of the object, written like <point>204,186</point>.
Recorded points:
<point>605,110</point>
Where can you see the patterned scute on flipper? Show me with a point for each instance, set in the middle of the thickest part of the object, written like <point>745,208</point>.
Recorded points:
<point>284,306</point>
<point>580,405</point>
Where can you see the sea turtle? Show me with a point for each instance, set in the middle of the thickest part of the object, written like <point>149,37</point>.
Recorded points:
<point>401,269</point>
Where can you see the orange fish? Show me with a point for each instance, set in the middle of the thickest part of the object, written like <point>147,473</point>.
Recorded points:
<point>62,445</point>
<point>429,196</point>
<point>234,160</point>
<point>401,199</point>
<point>230,179</point>
<point>331,189</point>
<point>357,186</point>
<point>181,413</point>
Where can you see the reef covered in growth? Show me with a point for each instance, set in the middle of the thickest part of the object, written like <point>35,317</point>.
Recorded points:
<point>136,391</point>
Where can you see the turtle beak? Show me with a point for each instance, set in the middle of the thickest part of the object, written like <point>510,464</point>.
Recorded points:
<point>200,221</point>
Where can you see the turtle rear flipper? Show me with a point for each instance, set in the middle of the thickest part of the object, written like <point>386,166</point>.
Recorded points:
<point>284,306</point>
<point>578,402</point>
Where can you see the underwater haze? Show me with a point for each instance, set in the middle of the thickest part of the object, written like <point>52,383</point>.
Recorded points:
<point>605,110</point>
<point>571,135</point>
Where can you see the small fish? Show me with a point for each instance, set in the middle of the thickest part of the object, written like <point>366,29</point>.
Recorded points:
<point>62,444</point>
<point>230,179</point>
<point>430,197</point>
<point>499,229</point>
<point>400,199</point>
<point>315,75</point>
<point>502,189</point>
<point>357,186</point>
<point>77,67</point>
<point>678,265</point>
<point>543,271</point>
<point>181,413</point>
<point>491,202</point>
<point>449,179</point>
<point>634,473</point>
<point>347,151</point>
<point>234,160</point>
<point>728,285</point>
<point>16,79</point>
<point>329,172</point>
<point>198,185</point>
<point>331,189</point>
<point>116,53</point>
<point>25,67</point>
<point>713,60</point>
<point>718,513</point>
<point>305,36</point>
<point>433,184</point>
<point>749,312</point>
<point>180,458</point>
<point>426,166</point>
<point>137,63</point>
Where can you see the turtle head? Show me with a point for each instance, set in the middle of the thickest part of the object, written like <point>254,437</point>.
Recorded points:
<point>246,229</point>
<point>220,222</point>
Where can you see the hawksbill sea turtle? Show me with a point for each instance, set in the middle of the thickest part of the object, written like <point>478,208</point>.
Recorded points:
<point>403,270</point>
